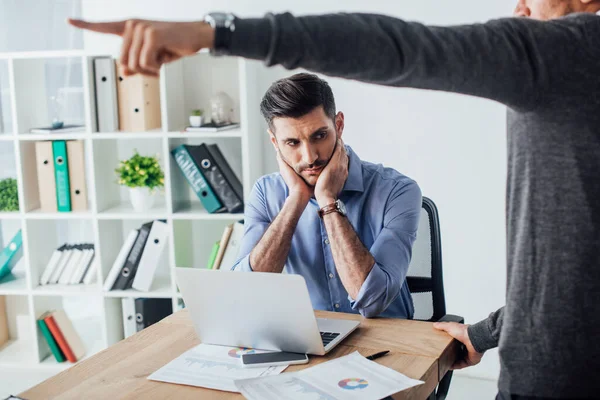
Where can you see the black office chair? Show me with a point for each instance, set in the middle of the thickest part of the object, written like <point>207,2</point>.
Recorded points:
<point>426,282</point>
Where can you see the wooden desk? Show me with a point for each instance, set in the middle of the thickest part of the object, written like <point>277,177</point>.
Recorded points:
<point>417,350</point>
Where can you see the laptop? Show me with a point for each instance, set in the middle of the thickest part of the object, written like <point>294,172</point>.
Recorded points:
<point>259,310</point>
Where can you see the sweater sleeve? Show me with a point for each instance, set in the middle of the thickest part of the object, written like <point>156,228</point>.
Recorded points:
<point>513,60</point>
<point>485,335</point>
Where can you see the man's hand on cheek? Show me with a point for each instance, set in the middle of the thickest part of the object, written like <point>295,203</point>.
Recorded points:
<point>294,182</point>
<point>334,175</point>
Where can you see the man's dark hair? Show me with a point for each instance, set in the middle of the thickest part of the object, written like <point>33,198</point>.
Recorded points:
<point>296,96</point>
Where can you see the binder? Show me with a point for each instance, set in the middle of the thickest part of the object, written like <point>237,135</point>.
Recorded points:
<point>62,264</point>
<point>215,174</point>
<point>71,266</point>
<point>153,249</point>
<point>58,354</point>
<point>125,278</point>
<point>45,174</point>
<point>196,180</point>
<point>90,274</point>
<point>11,254</point>
<point>139,102</point>
<point>223,246</point>
<point>107,110</point>
<point>150,311</point>
<point>114,272</point>
<point>129,321</point>
<point>76,157</point>
<point>61,173</point>
<point>230,176</point>
<point>233,246</point>
<point>52,263</point>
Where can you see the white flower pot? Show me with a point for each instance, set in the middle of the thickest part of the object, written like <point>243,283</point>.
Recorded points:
<point>141,198</point>
<point>195,121</point>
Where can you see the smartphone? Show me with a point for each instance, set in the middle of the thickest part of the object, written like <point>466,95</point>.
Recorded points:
<point>271,359</point>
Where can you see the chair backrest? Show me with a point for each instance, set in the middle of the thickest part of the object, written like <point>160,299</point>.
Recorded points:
<point>425,279</point>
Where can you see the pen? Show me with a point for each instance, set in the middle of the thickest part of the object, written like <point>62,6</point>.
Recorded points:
<point>377,355</point>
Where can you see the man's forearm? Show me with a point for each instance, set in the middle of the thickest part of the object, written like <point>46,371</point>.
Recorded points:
<point>271,252</point>
<point>352,260</point>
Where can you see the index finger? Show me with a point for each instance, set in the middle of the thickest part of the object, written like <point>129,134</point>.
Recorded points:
<point>115,27</point>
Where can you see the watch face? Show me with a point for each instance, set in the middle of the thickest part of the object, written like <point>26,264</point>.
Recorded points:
<point>341,207</point>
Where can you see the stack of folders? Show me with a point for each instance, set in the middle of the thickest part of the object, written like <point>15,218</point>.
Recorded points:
<point>124,103</point>
<point>70,264</point>
<point>11,255</point>
<point>138,258</point>
<point>61,175</point>
<point>225,252</point>
<point>62,338</point>
<point>139,314</point>
<point>211,177</point>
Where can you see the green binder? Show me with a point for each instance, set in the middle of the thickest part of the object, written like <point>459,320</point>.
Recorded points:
<point>61,173</point>
<point>194,176</point>
<point>213,255</point>
<point>11,254</point>
<point>60,357</point>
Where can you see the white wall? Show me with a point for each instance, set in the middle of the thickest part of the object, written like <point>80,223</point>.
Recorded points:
<point>454,146</point>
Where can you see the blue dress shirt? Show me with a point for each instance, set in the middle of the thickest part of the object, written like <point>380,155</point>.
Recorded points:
<point>383,208</point>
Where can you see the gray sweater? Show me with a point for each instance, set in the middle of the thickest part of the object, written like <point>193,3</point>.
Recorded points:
<point>548,74</point>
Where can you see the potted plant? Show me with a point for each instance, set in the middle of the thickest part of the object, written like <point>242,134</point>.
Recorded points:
<point>9,199</point>
<point>143,176</point>
<point>196,118</point>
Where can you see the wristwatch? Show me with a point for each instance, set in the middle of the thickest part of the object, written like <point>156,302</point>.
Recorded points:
<point>224,26</point>
<point>338,207</point>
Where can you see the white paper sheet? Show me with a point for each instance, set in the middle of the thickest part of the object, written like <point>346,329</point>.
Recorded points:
<point>345,378</point>
<point>214,367</point>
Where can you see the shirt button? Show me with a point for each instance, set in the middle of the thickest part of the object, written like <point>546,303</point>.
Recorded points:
<point>337,305</point>
<point>326,241</point>
<point>331,276</point>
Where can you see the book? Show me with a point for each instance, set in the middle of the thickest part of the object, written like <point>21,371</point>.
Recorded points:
<point>58,354</point>
<point>85,264</point>
<point>4,333</point>
<point>151,256</point>
<point>69,333</point>
<point>113,274</point>
<point>77,185</point>
<point>129,322</point>
<point>213,256</point>
<point>125,278</point>
<point>45,176</point>
<point>105,87</point>
<point>219,176</point>
<point>195,178</point>
<point>150,311</point>
<point>233,247</point>
<point>11,254</point>
<point>63,129</point>
<point>62,264</point>
<point>69,269</point>
<point>212,127</point>
<point>60,339</point>
<point>55,259</point>
<point>90,274</point>
<point>222,246</point>
<point>61,173</point>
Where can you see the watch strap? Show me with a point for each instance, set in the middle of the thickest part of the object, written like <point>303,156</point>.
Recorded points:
<point>328,209</point>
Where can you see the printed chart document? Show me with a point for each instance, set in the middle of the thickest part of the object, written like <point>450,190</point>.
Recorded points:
<point>348,377</point>
<point>213,367</point>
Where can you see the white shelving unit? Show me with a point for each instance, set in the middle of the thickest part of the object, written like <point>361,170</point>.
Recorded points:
<point>26,82</point>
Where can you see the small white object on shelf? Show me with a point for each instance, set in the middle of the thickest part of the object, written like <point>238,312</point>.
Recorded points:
<point>63,129</point>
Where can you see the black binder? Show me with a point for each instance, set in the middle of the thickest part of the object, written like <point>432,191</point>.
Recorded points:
<point>150,311</point>
<point>219,175</point>
<point>125,279</point>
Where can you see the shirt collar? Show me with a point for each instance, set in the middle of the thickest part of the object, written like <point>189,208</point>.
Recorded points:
<point>354,182</point>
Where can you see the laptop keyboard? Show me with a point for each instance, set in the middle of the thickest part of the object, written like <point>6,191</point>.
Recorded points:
<point>327,337</point>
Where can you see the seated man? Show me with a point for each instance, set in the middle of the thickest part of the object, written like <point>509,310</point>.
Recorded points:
<point>346,225</point>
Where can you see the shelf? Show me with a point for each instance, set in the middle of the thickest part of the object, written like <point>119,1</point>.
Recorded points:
<point>161,289</point>
<point>17,352</point>
<point>151,134</point>
<point>196,211</point>
<point>67,290</point>
<point>10,215</point>
<point>125,211</point>
<point>4,137</point>
<point>44,54</point>
<point>233,133</point>
<point>14,284</point>
<point>39,214</point>
<point>52,136</point>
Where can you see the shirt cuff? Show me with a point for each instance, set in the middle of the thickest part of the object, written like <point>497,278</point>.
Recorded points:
<point>243,265</point>
<point>481,336</point>
<point>369,299</point>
